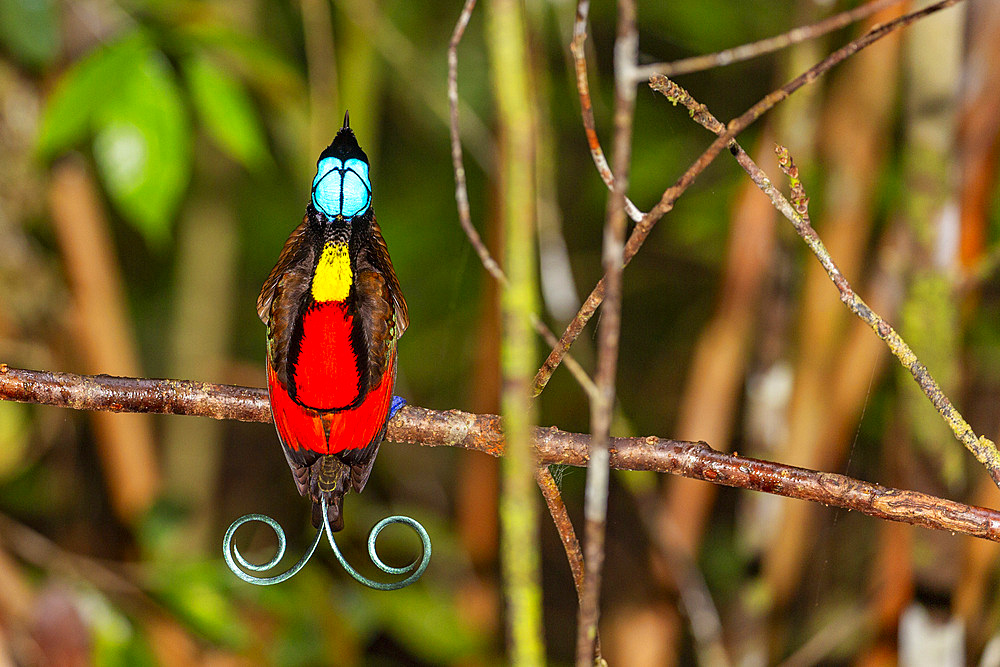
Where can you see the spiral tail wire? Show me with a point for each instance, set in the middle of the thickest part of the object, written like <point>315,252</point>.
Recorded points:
<point>240,565</point>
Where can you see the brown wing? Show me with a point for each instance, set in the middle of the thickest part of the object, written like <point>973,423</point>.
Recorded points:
<point>378,258</point>
<point>296,249</point>
<point>376,319</point>
<point>281,297</point>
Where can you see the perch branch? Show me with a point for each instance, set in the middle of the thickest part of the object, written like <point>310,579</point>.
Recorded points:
<point>483,433</point>
<point>737,125</point>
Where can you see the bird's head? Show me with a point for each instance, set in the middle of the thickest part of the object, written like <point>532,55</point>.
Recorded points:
<point>342,189</point>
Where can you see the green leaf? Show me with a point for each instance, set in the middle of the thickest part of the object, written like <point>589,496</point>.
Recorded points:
<point>142,146</point>
<point>91,82</point>
<point>263,68</point>
<point>227,112</point>
<point>30,30</point>
<point>125,94</point>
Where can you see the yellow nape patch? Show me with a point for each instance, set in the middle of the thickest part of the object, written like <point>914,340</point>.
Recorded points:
<point>333,277</point>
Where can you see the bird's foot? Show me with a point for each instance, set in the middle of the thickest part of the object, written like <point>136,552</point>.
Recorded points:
<point>397,403</point>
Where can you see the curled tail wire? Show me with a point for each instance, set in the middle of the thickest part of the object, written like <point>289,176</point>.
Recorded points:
<point>331,481</point>
<point>239,564</point>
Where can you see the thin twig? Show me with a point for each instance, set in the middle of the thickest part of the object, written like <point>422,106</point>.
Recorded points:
<point>981,447</point>
<point>609,335</point>
<point>764,46</point>
<point>835,633</point>
<point>42,552</point>
<point>671,194</point>
<point>127,583</point>
<point>484,433</point>
<point>560,517</point>
<point>577,48</point>
<point>462,197</point>
<point>797,213</point>
<point>458,163</point>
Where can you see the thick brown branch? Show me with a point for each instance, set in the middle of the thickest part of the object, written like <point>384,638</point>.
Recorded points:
<point>483,433</point>
<point>119,394</point>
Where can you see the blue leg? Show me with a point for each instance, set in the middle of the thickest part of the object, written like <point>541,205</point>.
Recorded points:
<point>394,407</point>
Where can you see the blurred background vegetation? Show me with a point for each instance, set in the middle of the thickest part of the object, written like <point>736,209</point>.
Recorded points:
<point>155,155</point>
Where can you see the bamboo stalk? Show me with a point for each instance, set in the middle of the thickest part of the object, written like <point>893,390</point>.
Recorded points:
<point>519,510</point>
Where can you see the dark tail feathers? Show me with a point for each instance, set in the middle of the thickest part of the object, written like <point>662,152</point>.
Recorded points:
<point>331,477</point>
<point>335,511</point>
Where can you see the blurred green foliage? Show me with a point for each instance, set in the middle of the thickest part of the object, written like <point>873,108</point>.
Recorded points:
<point>226,111</point>
<point>29,29</point>
<point>125,98</point>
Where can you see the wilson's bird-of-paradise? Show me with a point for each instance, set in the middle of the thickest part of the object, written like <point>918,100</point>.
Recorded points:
<point>334,311</point>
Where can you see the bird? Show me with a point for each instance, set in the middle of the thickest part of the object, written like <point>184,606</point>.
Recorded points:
<point>334,311</point>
